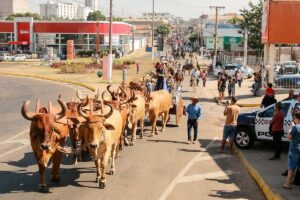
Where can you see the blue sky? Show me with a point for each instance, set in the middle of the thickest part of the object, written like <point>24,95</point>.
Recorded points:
<point>181,8</point>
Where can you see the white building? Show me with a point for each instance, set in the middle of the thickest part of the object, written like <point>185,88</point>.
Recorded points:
<point>8,7</point>
<point>64,10</point>
<point>93,4</point>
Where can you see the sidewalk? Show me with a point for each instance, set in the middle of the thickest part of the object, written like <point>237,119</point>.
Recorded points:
<point>258,156</point>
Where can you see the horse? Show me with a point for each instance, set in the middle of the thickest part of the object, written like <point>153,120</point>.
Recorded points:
<point>187,67</point>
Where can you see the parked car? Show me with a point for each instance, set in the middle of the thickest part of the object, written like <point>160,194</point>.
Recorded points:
<point>254,126</point>
<point>5,57</point>
<point>288,81</point>
<point>19,57</point>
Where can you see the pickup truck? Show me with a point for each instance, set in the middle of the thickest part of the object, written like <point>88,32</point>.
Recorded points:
<point>254,126</point>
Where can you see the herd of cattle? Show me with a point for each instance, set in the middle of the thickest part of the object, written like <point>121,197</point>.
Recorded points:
<point>96,124</point>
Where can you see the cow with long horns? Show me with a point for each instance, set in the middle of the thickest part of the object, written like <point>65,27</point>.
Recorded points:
<point>48,132</point>
<point>101,134</point>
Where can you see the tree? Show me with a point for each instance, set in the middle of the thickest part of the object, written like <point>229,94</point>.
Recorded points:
<point>194,37</point>
<point>96,16</point>
<point>252,20</point>
<point>164,30</point>
<point>27,14</point>
<point>117,19</point>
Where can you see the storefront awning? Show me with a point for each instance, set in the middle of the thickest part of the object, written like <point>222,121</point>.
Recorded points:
<point>19,42</point>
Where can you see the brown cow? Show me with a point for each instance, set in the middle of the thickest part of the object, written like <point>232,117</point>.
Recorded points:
<point>47,133</point>
<point>136,114</point>
<point>101,136</point>
<point>158,104</point>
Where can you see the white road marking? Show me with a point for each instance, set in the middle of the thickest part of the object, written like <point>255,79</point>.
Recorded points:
<point>215,157</point>
<point>13,150</point>
<point>25,143</point>
<point>199,177</point>
<point>171,186</point>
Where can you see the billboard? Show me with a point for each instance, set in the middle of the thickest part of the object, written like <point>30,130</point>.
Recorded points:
<point>23,32</point>
<point>281,22</point>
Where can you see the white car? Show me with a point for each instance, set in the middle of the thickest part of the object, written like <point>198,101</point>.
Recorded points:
<point>254,126</point>
<point>19,58</point>
<point>5,57</point>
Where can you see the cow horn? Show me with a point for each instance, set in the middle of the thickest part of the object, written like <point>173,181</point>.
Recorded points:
<point>109,113</point>
<point>122,89</point>
<point>103,95</point>
<point>25,112</point>
<point>81,112</point>
<point>97,94</point>
<point>79,95</point>
<point>49,107</point>
<point>63,110</point>
<point>37,105</point>
<point>108,89</point>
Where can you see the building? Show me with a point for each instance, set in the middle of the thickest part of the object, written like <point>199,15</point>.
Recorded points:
<point>227,39</point>
<point>13,6</point>
<point>92,4</point>
<point>54,9</point>
<point>32,35</point>
<point>159,16</point>
<point>228,36</point>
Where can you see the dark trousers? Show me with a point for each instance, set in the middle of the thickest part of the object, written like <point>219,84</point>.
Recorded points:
<point>192,123</point>
<point>277,138</point>
<point>204,82</point>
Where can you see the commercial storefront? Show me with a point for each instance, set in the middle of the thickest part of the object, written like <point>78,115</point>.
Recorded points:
<point>27,34</point>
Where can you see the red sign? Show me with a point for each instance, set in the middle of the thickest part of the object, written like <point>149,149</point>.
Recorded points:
<point>23,31</point>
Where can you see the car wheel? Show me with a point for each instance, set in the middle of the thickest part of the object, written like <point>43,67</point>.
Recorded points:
<point>243,138</point>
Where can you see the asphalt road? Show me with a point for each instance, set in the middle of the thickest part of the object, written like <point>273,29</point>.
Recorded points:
<point>159,167</point>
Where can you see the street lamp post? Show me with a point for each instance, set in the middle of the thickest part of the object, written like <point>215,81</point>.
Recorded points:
<point>110,59</point>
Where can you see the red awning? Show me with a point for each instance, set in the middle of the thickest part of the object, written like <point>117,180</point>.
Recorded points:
<point>19,42</point>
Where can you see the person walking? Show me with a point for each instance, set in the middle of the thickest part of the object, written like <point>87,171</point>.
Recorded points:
<point>293,156</point>
<point>124,73</point>
<point>231,112</point>
<point>137,67</point>
<point>204,77</point>
<point>239,78</point>
<point>231,87</point>
<point>194,113</point>
<point>221,87</point>
<point>276,127</point>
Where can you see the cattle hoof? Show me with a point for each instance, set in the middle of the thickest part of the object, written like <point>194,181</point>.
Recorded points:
<point>55,179</point>
<point>112,171</point>
<point>97,179</point>
<point>156,133</point>
<point>131,144</point>
<point>43,189</point>
<point>102,185</point>
<point>151,135</point>
<point>141,137</point>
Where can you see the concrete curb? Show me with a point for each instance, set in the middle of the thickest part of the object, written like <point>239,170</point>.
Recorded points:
<point>50,79</point>
<point>244,105</point>
<point>265,188</point>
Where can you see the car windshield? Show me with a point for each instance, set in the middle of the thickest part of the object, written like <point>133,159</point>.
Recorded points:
<point>230,67</point>
<point>268,113</point>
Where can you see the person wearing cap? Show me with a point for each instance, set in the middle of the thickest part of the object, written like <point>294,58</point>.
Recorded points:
<point>231,112</point>
<point>194,113</point>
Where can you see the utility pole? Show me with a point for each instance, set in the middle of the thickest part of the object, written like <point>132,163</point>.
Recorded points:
<point>246,47</point>
<point>110,59</point>
<point>152,30</point>
<point>217,8</point>
<point>201,35</point>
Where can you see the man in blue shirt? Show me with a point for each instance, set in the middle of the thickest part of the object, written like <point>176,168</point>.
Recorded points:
<point>194,113</point>
<point>293,156</point>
